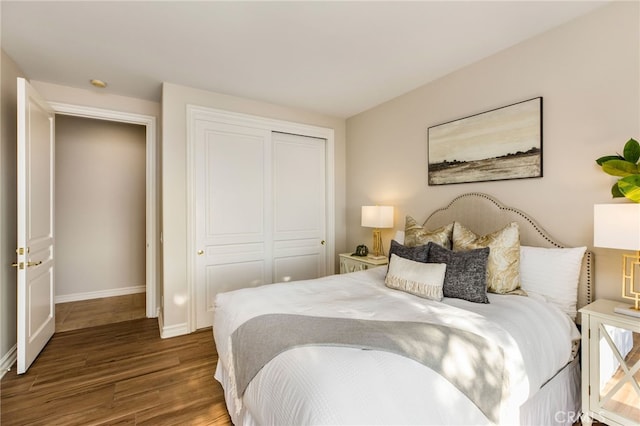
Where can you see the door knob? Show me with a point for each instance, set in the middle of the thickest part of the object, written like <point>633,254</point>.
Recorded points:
<point>200,252</point>
<point>323,242</point>
<point>21,265</point>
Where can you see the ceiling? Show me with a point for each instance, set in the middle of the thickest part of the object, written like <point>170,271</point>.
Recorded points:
<point>336,58</point>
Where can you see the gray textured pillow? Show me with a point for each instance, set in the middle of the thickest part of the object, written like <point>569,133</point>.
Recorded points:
<point>417,254</point>
<point>466,274</point>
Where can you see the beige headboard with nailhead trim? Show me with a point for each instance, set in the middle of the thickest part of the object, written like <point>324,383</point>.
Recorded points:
<point>484,214</point>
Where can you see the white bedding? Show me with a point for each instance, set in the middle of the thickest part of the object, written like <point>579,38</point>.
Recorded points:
<point>335,385</point>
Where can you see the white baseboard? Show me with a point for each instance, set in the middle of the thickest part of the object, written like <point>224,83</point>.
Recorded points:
<point>122,291</point>
<point>160,320</point>
<point>8,360</point>
<point>172,330</point>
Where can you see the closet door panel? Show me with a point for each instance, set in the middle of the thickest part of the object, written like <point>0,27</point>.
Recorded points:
<point>231,276</point>
<point>295,268</point>
<point>231,193</point>
<point>234,187</point>
<point>299,204</point>
<point>297,260</point>
<point>298,186</point>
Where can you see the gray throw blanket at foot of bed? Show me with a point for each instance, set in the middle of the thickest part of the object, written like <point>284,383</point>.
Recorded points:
<point>261,338</point>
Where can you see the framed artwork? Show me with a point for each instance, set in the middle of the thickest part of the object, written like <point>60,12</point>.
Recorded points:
<point>504,143</point>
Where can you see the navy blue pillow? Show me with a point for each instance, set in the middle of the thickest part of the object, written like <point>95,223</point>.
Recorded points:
<point>466,274</point>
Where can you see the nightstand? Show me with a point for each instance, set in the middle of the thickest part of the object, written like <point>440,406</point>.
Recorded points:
<point>350,263</point>
<point>610,365</point>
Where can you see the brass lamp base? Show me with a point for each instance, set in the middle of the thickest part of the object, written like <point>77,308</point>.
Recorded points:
<point>629,290</point>
<point>378,250</point>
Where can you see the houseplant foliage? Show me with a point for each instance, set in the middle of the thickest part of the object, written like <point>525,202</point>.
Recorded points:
<point>625,167</point>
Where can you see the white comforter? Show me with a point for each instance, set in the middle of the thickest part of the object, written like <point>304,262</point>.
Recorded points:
<point>336,385</point>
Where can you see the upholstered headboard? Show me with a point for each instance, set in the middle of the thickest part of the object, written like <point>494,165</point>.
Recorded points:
<point>484,214</point>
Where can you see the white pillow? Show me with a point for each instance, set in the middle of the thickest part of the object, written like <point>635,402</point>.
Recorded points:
<point>420,279</point>
<point>553,273</point>
<point>399,237</point>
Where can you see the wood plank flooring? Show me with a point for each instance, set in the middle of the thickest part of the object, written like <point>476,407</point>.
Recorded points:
<point>106,310</point>
<point>121,373</point>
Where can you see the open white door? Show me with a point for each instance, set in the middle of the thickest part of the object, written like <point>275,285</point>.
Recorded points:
<point>36,308</point>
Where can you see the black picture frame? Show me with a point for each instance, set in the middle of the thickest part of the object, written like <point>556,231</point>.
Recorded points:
<point>499,144</point>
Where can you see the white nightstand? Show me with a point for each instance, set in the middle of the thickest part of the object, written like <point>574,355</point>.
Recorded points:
<point>610,365</point>
<point>350,263</point>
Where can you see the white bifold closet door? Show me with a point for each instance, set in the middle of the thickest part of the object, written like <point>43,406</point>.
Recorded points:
<point>260,210</point>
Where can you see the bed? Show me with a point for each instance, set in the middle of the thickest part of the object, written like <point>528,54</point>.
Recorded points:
<point>352,349</point>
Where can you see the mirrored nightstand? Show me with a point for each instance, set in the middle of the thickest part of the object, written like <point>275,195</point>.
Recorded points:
<point>610,365</point>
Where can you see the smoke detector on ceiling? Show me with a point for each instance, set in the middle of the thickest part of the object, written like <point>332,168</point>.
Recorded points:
<point>98,83</point>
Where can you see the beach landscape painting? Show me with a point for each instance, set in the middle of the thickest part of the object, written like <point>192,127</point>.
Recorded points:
<point>504,143</point>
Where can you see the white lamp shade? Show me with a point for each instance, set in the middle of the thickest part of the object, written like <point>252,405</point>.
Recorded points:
<point>616,226</point>
<point>377,216</point>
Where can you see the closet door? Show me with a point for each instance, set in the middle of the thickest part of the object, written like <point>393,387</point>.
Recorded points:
<point>232,209</point>
<point>259,210</point>
<point>299,207</point>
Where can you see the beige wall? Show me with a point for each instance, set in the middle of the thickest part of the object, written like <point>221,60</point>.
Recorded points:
<point>9,72</point>
<point>174,177</point>
<point>100,208</point>
<point>587,71</point>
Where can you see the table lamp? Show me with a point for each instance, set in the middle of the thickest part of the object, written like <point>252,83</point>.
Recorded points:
<point>617,226</point>
<point>377,217</point>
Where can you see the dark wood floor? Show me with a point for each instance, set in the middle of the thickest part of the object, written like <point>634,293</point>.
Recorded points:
<point>121,373</point>
<point>93,312</point>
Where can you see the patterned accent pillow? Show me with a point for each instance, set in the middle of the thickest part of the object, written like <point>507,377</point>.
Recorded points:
<point>417,235</point>
<point>420,279</point>
<point>503,266</point>
<point>417,254</point>
<point>466,274</point>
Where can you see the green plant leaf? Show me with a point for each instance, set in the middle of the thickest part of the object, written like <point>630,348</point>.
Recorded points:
<point>630,187</point>
<point>602,160</point>
<point>631,151</point>
<point>615,191</point>
<point>620,168</point>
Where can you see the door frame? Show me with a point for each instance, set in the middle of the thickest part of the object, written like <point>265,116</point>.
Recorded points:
<point>151,203</point>
<point>195,112</point>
